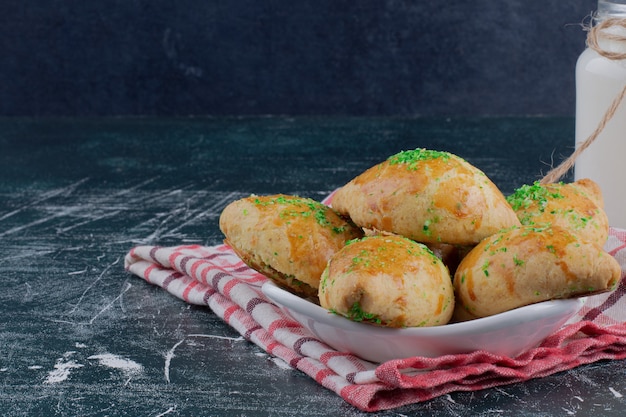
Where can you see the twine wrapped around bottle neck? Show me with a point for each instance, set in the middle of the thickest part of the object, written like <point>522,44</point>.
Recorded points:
<point>600,31</point>
<point>596,32</point>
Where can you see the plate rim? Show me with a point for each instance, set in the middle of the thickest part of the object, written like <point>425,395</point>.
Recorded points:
<point>285,299</point>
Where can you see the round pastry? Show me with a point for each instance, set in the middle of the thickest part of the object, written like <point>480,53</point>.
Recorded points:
<point>287,238</point>
<point>526,265</point>
<point>427,196</point>
<point>390,281</point>
<point>576,206</point>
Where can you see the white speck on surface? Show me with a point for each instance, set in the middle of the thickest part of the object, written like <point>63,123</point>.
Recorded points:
<point>569,412</point>
<point>35,367</point>
<point>579,398</point>
<point>117,362</point>
<point>169,410</point>
<point>80,345</point>
<point>503,392</point>
<point>281,363</point>
<point>449,398</point>
<point>615,393</point>
<point>62,369</point>
<point>4,369</point>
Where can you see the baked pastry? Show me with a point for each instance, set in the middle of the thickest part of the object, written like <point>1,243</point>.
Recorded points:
<point>592,190</point>
<point>528,264</point>
<point>390,281</point>
<point>428,196</point>
<point>576,206</point>
<point>287,238</point>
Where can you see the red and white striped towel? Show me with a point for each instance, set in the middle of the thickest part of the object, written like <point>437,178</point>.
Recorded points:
<point>216,277</point>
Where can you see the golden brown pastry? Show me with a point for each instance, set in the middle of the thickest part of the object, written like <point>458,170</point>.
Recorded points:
<point>576,206</point>
<point>526,265</point>
<point>287,238</point>
<point>427,196</point>
<point>592,190</point>
<point>390,281</point>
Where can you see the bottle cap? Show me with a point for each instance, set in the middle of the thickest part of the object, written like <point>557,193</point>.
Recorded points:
<point>611,8</point>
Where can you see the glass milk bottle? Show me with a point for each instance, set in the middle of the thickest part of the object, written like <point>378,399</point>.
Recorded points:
<point>599,81</point>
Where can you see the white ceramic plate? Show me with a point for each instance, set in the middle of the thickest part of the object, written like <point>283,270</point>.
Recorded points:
<point>510,333</point>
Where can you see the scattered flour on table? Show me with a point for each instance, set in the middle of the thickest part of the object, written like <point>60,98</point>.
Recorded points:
<point>64,365</point>
<point>449,398</point>
<point>62,369</point>
<point>169,410</point>
<point>277,361</point>
<point>615,392</point>
<point>117,362</point>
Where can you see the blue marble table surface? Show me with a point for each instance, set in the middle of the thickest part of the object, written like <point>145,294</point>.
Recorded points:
<point>79,336</point>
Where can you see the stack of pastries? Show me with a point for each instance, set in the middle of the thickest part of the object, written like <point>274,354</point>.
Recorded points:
<point>424,238</point>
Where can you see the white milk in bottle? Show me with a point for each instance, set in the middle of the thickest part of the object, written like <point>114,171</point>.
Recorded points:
<point>599,81</point>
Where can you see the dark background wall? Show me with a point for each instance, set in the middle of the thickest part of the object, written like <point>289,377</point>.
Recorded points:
<point>357,57</point>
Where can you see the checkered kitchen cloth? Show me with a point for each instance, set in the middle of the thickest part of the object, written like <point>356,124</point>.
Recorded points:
<point>216,277</point>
